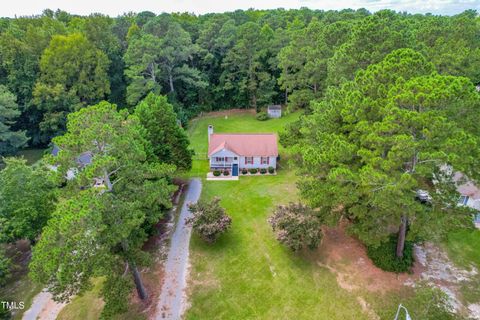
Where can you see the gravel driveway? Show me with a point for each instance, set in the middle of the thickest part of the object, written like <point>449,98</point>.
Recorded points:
<point>172,301</point>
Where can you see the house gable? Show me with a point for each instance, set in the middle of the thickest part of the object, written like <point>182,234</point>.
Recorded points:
<point>224,152</point>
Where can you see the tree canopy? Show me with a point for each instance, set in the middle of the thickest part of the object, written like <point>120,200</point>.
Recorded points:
<point>168,140</point>
<point>56,63</point>
<point>73,74</point>
<point>371,144</point>
<point>10,140</point>
<point>107,208</point>
<point>28,198</point>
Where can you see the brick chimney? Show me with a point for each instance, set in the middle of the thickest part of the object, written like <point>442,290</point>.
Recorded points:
<point>210,131</point>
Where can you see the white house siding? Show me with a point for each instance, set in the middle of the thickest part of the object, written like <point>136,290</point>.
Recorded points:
<point>256,163</point>
<point>222,153</point>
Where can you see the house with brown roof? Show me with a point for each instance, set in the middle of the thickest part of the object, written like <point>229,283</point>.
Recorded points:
<point>234,151</point>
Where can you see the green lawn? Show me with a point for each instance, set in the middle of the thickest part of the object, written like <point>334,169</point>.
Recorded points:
<point>247,274</point>
<point>463,248</point>
<point>31,155</point>
<point>240,122</point>
<point>87,306</point>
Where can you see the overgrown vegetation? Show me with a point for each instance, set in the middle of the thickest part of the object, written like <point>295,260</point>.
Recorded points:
<point>384,257</point>
<point>262,116</point>
<point>5,267</point>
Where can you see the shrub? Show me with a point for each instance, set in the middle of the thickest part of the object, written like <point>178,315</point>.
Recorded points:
<point>5,267</point>
<point>296,226</point>
<point>262,116</point>
<point>209,219</point>
<point>244,171</point>
<point>263,171</point>
<point>253,170</point>
<point>226,172</point>
<point>271,170</point>
<point>216,173</point>
<point>384,256</point>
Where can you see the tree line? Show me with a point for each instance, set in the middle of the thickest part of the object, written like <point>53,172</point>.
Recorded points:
<point>57,63</point>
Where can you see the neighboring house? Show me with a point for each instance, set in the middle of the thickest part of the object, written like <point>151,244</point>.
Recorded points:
<point>236,151</point>
<point>83,160</point>
<point>469,196</point>
<point>274,111</point>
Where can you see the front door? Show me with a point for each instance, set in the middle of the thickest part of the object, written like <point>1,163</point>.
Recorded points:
<point>235,170</point>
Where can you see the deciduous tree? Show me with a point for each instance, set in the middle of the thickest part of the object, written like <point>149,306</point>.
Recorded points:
<point>73,74</point>
<point>10,140</point>
<point>28,197</point>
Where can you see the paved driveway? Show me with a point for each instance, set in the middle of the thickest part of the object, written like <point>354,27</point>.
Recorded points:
<point>172,301</point>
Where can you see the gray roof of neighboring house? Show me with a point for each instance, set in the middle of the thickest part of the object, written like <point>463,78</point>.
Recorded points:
<point>83,159</point>
<point>55,151</point>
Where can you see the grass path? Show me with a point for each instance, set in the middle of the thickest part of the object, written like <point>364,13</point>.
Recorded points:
<point>247,274</point>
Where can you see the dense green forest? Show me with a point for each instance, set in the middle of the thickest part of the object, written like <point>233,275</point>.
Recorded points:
<point>56,63</point>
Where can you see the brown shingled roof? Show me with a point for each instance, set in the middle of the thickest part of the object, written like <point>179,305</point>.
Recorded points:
<point>244,144</point>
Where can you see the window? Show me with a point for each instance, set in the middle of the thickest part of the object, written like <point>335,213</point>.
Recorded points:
<point>235,158</point>
<point>219,159</point>
<point>463,200</point>
<point>248,160</point>
<point>264,160</point>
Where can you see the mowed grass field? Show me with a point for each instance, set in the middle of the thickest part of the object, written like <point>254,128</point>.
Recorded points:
<point>247,274</point>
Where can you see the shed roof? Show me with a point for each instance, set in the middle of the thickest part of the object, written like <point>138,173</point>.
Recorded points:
<point>275,107</point>
<point>244,144</point>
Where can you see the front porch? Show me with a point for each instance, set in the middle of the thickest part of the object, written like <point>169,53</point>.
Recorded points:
<point>221,163</point>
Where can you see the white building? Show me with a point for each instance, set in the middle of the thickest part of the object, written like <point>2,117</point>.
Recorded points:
<point>235,151</point>
<point>274,111</point>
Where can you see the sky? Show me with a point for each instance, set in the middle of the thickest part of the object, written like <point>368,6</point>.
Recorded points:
<point>13,8</point>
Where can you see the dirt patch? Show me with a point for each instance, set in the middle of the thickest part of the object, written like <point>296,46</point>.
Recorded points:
<point>347,258</point>
<point>438,271</point>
